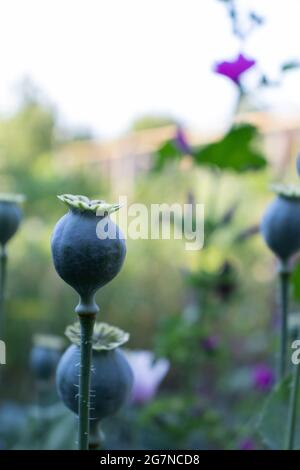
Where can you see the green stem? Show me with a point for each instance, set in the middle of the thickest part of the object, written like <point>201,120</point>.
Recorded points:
<point>284,275</point>
<point>290,440</point>
<point>87,322</point>
<point>3,263</point>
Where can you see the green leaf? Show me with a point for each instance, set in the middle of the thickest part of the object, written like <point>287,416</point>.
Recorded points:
<point>291,65</point>
<point>61,432</point>
<point>272,425</point>
<point>48,428</point>
<point>167,152</point>
<point>235,151</point>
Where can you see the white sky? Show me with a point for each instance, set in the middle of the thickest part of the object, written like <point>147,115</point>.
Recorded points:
<point>104,62</point>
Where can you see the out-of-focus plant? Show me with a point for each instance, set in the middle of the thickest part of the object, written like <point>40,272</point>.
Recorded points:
<point>52,428</point>
<point>277,425</point>
<point>10,218</point>
<point>148,373</point>
<point>235,151</point>
<point>31,138</point>
<point>280,228</point>
<point>86,259</point>
<point>236,68</point>
<point>244,22</point>
<point>238,149</point>
<point>208,293</point>
<point>195,338</point>
<point>247,444</point>
<point>263,377</point>
<point>44,356</point>
<point>13,420</point>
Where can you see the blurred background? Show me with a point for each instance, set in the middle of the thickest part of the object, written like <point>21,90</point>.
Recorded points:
<point>135,98</point>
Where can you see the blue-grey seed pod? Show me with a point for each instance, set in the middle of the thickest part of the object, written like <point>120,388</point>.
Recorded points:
<point>82,259</point>
<point>44,355</point>
<point>280,225</point>
<point>43,362</point>
<point>111,381</point>
<point>111,375</point>
<point>10,216</point>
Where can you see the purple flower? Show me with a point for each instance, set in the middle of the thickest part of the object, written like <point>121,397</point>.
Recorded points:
<point>181,142</point>
<point>210,343</point>
<point>234,69</point>
<point>247,444</point>
<point>148,374</point>
<point>263,377</point>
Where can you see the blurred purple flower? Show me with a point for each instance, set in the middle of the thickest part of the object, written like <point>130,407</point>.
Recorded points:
<point>148,374</point>
<point>234,69</point>
<point>247,444</point>
<point>181,141</point>
<point>210,343</point>
<point>263,377</point>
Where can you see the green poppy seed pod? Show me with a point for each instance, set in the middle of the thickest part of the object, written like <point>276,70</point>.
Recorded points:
<point>280,226</point>
<point>10,216</point>
<point>111,375</point>
<point>82,259</point>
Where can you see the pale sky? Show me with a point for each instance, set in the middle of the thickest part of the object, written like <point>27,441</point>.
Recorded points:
<point>105,62</point>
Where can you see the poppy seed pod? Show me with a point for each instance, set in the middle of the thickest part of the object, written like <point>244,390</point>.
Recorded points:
<point>43,362</point>
<point>45,355</point>
<point>82,259</point>
<point>280,226</point>
<point>10,216</point>
<point>111,375</point>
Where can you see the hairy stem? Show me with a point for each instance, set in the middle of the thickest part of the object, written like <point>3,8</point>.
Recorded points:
<point>3,263</point>
<point>290,438</point>
<point>87,322</point>
<point>284,275</point>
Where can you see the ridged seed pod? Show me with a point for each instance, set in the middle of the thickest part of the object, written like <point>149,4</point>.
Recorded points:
<point>82,259</point>
<point>111,375</point>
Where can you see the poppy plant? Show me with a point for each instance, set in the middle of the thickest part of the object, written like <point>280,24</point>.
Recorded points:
<point>86,261</point>
<point>111,378</point>
<point>280,228</point>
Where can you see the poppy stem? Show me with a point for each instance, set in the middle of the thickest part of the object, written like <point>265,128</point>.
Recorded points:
<point>87,321</point>
<point>3,264</point>
<point>284,275</point>
<point>292,413</point>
